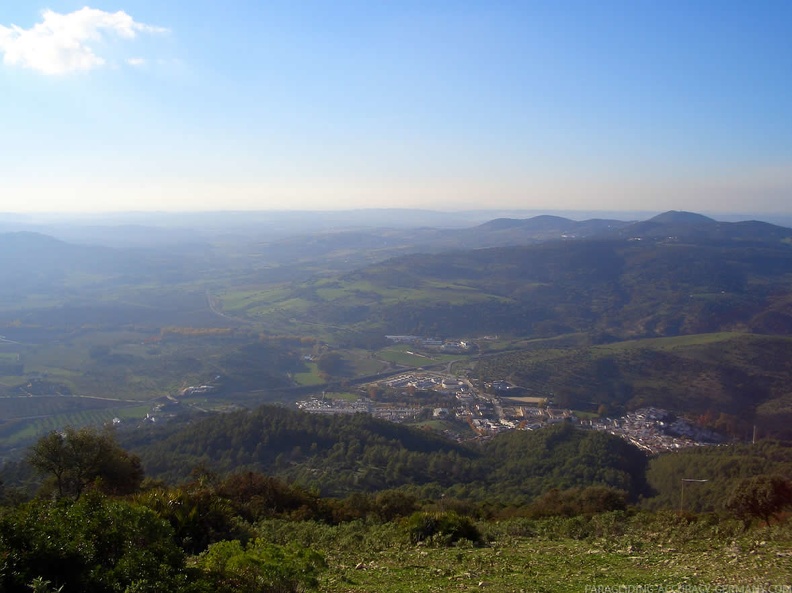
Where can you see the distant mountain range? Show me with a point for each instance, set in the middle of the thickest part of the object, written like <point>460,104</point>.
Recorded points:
<point>364,245</point>
<point>676,273</point>
<point>36,262</point>
<point>153,230</point>
<point>669,224</point>
<point>656,286</point>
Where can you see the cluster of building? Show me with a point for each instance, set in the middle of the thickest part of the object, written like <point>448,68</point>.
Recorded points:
<point>198,390</point>
<point>656,430</point>
<point>486,414</point>
<point>426,382</point>
<point>651,429</point>
<point>324,405</point>
<point>453,346</point>
<point>394,413</point>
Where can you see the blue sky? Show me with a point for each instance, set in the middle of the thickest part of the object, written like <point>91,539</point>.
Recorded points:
<point>636,105</point>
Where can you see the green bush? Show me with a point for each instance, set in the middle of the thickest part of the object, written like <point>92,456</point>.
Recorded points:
<point>354,535</point>
<point>259,567</point>
<point>443,528</point>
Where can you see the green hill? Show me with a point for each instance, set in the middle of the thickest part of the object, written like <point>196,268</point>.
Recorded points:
<point>340,454</point>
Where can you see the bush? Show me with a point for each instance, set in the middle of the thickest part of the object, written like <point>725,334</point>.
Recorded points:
<point>763,497</point>
<point>444,528</point>
<point>354,535</point>
<point>260,567</point>
<point>578,501</point>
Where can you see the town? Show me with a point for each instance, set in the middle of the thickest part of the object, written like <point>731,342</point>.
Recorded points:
<point>482,410</point>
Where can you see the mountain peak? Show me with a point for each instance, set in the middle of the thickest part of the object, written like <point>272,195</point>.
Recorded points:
<point>681,217</point>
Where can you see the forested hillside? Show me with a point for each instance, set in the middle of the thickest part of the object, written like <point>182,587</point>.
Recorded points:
<point>360,459</point>
<point>337,455</point>
<point>714,473</point>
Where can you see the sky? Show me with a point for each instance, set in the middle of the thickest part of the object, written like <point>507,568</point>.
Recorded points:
<point>446,105</point>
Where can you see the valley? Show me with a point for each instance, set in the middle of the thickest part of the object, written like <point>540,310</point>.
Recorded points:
<point>694,318</point>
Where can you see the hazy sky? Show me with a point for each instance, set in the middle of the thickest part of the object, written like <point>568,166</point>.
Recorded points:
<point>260,104</point>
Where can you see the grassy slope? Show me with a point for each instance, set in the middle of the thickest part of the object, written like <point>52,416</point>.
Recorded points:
<point>523,564</point>
<point>551,556</point>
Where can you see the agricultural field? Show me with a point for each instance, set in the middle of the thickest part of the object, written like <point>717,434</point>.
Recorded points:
<point>25,418</point>
<point>329,308</point>
<point>408,355</point>
<point>309,377</point>
<point>91,375</point>
<point>405,356</point>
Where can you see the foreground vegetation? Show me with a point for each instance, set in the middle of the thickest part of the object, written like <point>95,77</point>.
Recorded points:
<point>103,545</point>
<point>97,525</point>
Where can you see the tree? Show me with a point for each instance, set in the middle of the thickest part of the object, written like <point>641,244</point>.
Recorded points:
<point>332,364</point>
<point>197,515</point>
<point>578,501</point>
<point>761,496</point>
<point>77,458</point>
<point>93,545</point>
<point>49,456</point>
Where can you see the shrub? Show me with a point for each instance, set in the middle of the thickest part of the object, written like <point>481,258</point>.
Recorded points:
<point>445,528</point>
<point>260,567</point>
<point>763,497</point>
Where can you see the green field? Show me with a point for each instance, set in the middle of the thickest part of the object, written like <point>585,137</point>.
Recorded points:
<point>523,564</point>
<point>403,355</point>
<point>345,396</point>
<point>116,372</point>
<point>303,308</point>
<point>672,342</point>
<point>310,377</point>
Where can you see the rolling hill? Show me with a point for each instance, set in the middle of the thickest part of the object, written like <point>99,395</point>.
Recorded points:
<point>337,455</point>
<point>614,288</point>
